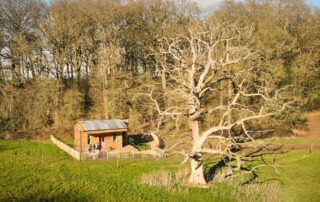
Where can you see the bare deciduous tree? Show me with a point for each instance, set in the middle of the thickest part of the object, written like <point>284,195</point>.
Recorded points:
<point>202,63</point>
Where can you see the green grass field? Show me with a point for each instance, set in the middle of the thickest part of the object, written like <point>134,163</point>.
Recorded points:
<point>32,171</point>
<point>294,140</point>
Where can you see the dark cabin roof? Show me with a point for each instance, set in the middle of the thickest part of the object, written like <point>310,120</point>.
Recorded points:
<point>112,124</point>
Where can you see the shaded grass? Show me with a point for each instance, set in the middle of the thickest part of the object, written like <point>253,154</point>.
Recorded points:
<point>40,171</point>
<point>142,146</point>
<point>298,173</point>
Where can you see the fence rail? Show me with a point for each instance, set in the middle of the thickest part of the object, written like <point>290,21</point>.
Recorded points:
<point>74,153</point>
<point>103,155</point>
<point>127,155</point>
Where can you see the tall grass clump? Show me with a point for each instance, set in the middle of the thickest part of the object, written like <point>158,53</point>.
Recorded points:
<point>258,192</point>
<point>243,189</point>
<point>165,178</point>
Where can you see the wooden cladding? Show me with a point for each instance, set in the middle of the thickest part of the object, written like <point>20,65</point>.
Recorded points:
<point>105,139</point>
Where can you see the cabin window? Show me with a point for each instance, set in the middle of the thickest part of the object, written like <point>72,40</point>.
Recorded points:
<point>89,139</point>
<point>114,139</point>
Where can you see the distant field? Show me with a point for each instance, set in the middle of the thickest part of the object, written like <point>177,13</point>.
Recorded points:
<point>295,140</point>
<point>40,171</point>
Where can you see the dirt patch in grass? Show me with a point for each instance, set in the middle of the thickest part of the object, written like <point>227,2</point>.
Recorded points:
<point>313,124</point>
<point>312,127</point>
<point>304,139</point>
<point>128,148</point>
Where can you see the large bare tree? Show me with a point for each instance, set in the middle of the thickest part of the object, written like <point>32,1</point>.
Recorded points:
<point>208,61</point>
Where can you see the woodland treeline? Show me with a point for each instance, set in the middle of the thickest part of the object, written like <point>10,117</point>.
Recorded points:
<point>81,59</point>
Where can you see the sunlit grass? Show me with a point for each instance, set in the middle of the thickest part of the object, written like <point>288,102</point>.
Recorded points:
<point>293,140</point>
<point>40,171</point>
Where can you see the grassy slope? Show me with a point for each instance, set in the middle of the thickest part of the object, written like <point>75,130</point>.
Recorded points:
<point>299,174</point>
<point>24,177</point>
<point>294,140</point>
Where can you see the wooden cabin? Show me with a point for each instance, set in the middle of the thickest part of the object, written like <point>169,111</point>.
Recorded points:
<point>100,135</point>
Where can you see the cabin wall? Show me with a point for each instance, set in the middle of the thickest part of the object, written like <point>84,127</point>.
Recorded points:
<point>84,141</point>
<point>81,138</point>
<point>108,138</point>
<point>113,145</point>
<point>110,145</point>
<point>78,130</point>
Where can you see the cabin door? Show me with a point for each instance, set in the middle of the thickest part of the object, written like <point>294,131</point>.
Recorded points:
<point>102,143</point>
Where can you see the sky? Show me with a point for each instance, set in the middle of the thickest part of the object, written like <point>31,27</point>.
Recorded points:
<point>314,2</point>
<point>205,4</point>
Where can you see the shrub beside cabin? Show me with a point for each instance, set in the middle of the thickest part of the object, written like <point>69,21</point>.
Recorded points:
<point>100,135</point>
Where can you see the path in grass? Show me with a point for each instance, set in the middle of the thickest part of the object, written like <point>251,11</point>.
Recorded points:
<point>314,125</point>
<point>307,141</point>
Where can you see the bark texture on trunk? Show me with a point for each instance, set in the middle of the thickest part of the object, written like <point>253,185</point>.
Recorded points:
<point>197,176</point>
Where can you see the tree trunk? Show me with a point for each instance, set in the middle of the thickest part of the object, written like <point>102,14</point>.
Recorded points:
<point>104,91</point>
<point>68,71</point>
<point>154,144</point>
<point>19,75</point>
<point>61,72</point>
<point>33,72</point>
<point>1,71</point>
<point>71,72</point>
<point>78,75</point>
<point>105,103</point>
<point>13,72</point>
<point>221,97</point>
<point>197,176</point>
<point>230,89</point>
<point>163,80</point>
<point>57,70</point>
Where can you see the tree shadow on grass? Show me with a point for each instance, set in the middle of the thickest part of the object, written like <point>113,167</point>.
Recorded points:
<point>143,139</point>
<point>71,196</point>
<point>6,148</point>
<point>257,156</point>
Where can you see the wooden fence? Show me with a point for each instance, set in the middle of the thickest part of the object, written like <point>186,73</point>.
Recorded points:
<point>74,153</point>
<point>128,155</point>
<point>103,155</point>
